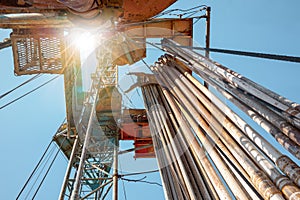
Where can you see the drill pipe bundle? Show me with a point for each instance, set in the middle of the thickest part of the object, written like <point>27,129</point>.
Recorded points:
<point>220,143</point>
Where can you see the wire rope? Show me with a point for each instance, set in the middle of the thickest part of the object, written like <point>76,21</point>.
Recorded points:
<point>33,172</point>
<point>48,169</point>
<point>142,181</point>
<point>287,58</point>
<point>183,11</point>
<point>22,84</point>
<point>44,165</point>
<point>129,100</point>
<point>139,173</point>
<point>31,91</point>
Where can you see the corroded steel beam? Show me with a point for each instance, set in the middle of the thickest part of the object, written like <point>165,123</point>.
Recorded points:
<point>6,43</point>
<point>141,10</point>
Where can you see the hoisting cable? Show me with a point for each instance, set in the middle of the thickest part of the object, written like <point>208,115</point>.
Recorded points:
<point>24,83</point>
<point>46,161</point>
<point>249,54</point>
<point>35,169</point>
<point>29,92</point>
<point>58,150</point>
<point>287,58</point>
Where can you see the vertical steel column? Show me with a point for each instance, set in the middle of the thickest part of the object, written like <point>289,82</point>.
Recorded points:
<point>207,37</point>
<point>69,168</point>
<point>75,192</point>
<point>115,174</point>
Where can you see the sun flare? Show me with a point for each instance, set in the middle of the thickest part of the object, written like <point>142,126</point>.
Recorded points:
<point>85,41</point>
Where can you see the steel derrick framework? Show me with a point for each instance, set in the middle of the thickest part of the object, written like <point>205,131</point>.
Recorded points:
<point>204,149</point>
<point>92,157</point>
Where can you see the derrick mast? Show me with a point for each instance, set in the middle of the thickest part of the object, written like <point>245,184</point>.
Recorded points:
<point>203,147</point>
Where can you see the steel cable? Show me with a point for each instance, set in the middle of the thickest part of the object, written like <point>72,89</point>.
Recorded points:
<point>22,84</point>
<point>27,93</point>
<point>33,172</point>
<point>48,169</point>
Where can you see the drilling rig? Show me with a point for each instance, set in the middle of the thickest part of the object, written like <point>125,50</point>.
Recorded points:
<point>204,149</point>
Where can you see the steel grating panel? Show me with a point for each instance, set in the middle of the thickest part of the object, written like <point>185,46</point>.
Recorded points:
<point>38,51</point>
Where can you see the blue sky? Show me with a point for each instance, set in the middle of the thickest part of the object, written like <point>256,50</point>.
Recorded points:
<point>27,126</point>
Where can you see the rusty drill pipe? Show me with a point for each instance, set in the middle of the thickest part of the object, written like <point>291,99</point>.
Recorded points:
<point>190,108</point>
<point>209,174</point>
<point>233,77</point>
<point>185,162</point>
<point>290,168</point>
<point>269,92</point>
<point>270,128</point>
<point>182,163</point>
<point>223,193</point>
<point>283,183</point>
<point>292,120</point>
<point>282,139</point>
<point>163,156</point>
<point>287,129</point>
<point>162,136</point>
<point>195,147</point>
<point>197,176</point>
<point>179,129</point>
<point>277,121</point>
<point>227,175</point>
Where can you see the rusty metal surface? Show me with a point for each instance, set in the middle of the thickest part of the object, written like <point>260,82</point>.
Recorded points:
<point>140,10</point>
<point>290,168</point>
<point>142,79</point>
<point>49,4</point>
<point>180,30</point>
<point>39,14</point>
<point>35,6</point>
<point>5,43</point>
<point>110,100</point>
<point>38,21</point>
<point>86,9</point>
<point>128,51</point>
<point>65,143</point>
<point>79,5</point>
<point>38,51</point>
<point>76,12</point>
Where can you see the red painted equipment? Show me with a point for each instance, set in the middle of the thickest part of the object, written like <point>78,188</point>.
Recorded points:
<point>135,127</point>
